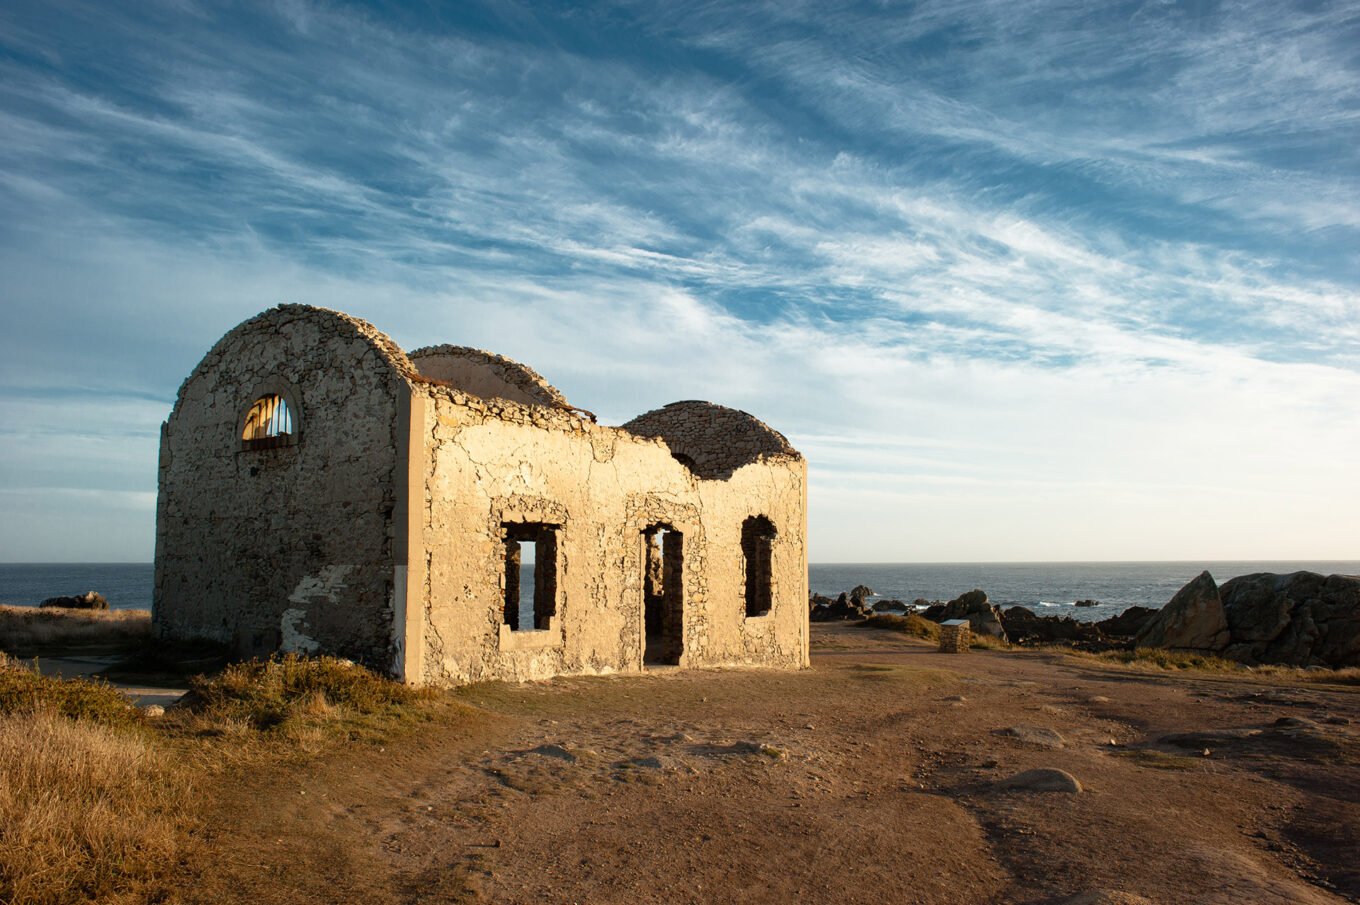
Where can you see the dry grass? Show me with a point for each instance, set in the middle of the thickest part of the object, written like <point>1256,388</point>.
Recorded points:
<point>89,811</point>
<point>94,799</point>
<point>920,627</point>
<point>910,624</point>
<point>1162,659</point>
<point>31,630</point>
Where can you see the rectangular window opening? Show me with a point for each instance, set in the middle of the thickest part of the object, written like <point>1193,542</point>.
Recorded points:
<point>757,546</point>
<point>530,575</point>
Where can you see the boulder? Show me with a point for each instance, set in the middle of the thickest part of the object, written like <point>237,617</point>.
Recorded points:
<point>861,592</point>
<point>1194,619</point>
<point>982,615</point>
<point>90,600</point>
<point>1044,779</point>
<point>889,606</point>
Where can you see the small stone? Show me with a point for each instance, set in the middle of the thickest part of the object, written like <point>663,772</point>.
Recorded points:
<point>153,711</point>
<point>1044,779</point>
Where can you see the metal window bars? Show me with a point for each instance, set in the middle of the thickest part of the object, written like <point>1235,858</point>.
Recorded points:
<point>268,423</point>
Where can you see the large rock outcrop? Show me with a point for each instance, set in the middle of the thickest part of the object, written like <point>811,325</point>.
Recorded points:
<point>1192,620</point>
<point>982,615</point>
<point>1302,618</point>
<point>1299,619</point>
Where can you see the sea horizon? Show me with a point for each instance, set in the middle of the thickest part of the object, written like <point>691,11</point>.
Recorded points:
<point>1045,586</point>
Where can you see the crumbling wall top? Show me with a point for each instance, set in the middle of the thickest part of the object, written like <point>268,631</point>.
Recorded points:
<point>487,375</point>
<point>712,440</point>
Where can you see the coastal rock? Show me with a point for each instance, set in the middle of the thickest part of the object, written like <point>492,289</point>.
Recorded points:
<point>1024,626</point>
<point>1087,603</point>
<point>1044,779</point>
<point>1194,619</point>
<point>1299,619</point>
<point>861,592</point>
<point>90,600</point>
<point>844,607</point>
<point>889,606</point>
<point>982,615</point>
<point>1128,623</point>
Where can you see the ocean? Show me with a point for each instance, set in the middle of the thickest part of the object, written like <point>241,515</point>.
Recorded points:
<point>1049,588</point>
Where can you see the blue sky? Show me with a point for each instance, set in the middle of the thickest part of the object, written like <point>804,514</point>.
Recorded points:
<point>1023,280</point>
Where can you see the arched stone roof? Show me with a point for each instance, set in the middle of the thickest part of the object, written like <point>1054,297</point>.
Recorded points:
<point>327,323</point>
<point>711,440</point>
<point>487,375</point>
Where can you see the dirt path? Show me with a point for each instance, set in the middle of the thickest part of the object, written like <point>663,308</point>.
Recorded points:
<point>870,778</point>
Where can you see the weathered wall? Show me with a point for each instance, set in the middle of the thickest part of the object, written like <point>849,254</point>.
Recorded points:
<point>489,463</point>
<point>292,547</point>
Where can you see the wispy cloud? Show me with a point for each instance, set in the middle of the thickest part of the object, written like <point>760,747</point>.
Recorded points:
<point>1017,256</point>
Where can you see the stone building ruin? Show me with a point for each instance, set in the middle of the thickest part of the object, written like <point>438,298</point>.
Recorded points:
<point>322,491</point>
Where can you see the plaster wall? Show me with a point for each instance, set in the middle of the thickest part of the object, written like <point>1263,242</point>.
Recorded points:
<point>292,547</point>
<point>487,463</point>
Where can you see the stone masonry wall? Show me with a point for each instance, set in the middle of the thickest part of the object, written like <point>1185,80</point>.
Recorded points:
<point>291,547</point>
<point>492,462</point>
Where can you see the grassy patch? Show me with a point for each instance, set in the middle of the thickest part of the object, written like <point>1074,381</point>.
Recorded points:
<point>919,627</point>
<point>1160,658</point>
<point>24,691</point>
<point>30,631</point>
<point>910,624</point>
<point>302,696</point>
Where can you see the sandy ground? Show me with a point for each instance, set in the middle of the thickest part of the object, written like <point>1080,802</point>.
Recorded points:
<point>872,777</point>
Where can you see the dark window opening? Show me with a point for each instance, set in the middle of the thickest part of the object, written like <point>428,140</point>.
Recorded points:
<point>663,594</point>
<point>531,610</point>
<point>269,423</point>
<point>757,544</point>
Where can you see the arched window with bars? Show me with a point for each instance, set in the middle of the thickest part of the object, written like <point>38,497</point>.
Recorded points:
<point>271,422</point>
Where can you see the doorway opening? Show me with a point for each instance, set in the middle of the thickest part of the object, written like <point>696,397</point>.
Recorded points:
<point>663,594</point>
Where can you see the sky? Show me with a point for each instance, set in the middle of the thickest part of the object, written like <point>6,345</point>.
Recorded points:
<point>1023,280</point>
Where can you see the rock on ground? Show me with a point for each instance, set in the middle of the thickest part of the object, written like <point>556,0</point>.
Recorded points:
<point>90,600</point>
<point>1043,779</point>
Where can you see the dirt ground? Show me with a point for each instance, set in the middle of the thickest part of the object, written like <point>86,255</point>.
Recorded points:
<point>875,776</point>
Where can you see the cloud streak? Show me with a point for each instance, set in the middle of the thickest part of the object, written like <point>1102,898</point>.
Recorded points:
<point>1024,256</point>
